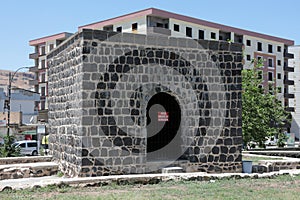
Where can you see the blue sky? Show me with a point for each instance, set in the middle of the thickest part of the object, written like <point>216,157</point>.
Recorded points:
<point>21,21</point>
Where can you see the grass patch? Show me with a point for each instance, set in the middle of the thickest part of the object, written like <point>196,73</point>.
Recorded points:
<point>220,189</point>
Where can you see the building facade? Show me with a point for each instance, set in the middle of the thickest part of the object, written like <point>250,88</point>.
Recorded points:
<point>273,50</point>
<point>42,46</point>
<point>295,90</point>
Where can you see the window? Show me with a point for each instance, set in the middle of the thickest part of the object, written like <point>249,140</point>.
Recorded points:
<point>278,76</point>
<point>270,62</point>
<point>279,62</point>
<point>43,50</point>
<point>161,25</point>
<point>32,144</point>
<point>43,78</point>
<point>51,47</point>
<point>134,26</point>
<point>259,46</point>
<point>279,48</point>
<point>176,27</point>
<point>43,64</point>
<point>201,34</point>
<point>259,58</point>
<point>260,74</point>
<point>270,76</point>
<point>119,29</point>
<point>22,145</point>
<point>213,35</point>
<point>43,91</point>
<point>270,48</point>
<point>108,28</point>
<point>248,42</point>
<point>188,31</point>
<point>248,57</point>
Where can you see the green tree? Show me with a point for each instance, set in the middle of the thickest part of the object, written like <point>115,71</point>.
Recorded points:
<point>8,149</point>
<point>262,114</point>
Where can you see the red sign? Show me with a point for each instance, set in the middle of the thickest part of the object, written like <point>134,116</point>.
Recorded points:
<point>163,116</point>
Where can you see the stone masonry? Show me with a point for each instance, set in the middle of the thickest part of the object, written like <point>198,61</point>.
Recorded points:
<point>123,103</point>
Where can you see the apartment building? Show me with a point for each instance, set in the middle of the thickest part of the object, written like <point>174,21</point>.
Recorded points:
<point>41,47</point>
<point>295,89</point>
<point>273,50</point>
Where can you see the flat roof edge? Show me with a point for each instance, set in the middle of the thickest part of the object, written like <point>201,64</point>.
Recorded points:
<point>117,19</point>
<point>50,37</point>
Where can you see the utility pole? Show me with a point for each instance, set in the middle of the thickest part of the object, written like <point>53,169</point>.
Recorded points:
<point>8,104</point>
<point>10,80</point>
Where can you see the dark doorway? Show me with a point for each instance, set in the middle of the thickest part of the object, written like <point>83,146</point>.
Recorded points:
<point>163,123</point>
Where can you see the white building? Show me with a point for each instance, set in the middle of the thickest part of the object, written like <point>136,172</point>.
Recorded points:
<point>23,109</point>
<point>295,89</point>
<point>23,101</point>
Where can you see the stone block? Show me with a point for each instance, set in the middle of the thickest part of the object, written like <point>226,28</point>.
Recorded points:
<point>169,170</point>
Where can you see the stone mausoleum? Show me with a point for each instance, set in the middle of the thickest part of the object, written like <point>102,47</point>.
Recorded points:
<point>122,103</point>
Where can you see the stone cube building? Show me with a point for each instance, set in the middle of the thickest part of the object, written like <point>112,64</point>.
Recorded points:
<point>122,103</point>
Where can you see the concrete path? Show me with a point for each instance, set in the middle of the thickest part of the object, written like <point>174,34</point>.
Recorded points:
<point>17,184</point>
<point>32,165</point>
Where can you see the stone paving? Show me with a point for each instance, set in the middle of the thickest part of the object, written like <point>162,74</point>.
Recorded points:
<point>17,184</point>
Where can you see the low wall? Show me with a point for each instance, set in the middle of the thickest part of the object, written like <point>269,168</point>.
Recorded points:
<point>265,166</point>
<point>27,170</point>
<point>285,153</point>
<point>31,159</point>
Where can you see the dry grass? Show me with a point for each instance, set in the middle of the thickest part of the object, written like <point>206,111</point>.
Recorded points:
<point>282,187</point>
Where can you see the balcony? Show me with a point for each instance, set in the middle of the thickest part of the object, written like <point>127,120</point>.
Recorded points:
<point>288,82</point>
<point>34,55</point>
<point>289,96</point>
<point>288,69</point>
<point>158,30</point>
<point>290,109</point>
<point>33,69</point>
<point>33,82</point>
<point>288,55</point>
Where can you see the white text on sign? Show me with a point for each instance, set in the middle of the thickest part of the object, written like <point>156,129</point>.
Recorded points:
<point>163,116</point>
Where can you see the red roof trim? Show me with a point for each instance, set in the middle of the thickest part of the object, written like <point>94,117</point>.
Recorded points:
<point>49,38</point>
<point>118,19</point>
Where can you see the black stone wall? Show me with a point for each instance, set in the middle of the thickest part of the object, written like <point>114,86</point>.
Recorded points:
<point>100,84</point>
